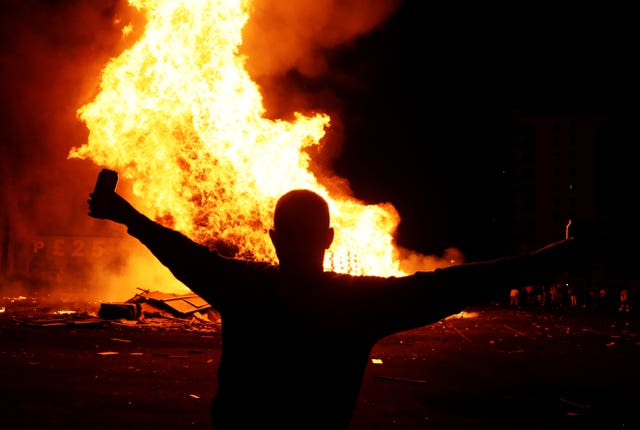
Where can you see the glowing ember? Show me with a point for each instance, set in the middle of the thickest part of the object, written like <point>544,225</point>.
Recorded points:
<point>464,314</point>
<point>178,115</point>
<point>64,312</point>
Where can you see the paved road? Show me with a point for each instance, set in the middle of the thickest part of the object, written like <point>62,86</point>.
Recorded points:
<point>491,368</point>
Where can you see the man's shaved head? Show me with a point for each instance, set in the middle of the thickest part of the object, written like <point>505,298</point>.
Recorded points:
<point>301,208</point>
<point>301,231</point>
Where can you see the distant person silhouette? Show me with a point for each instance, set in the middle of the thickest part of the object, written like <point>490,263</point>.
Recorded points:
<point>296,339</point>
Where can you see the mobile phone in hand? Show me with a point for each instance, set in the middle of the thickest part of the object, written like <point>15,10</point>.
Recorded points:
<point>107,181</point>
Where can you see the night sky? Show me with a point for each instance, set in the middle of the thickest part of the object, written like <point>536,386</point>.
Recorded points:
<point>425,101</point>
<point>433,135</point>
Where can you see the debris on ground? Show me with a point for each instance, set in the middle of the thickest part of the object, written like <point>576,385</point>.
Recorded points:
<point>146,309</point>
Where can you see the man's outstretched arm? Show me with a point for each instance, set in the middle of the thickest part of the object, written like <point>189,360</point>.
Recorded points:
<point>480,282</point>
<point>186,259</point>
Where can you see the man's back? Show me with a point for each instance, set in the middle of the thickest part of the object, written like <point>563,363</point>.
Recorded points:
<point>293,355</point>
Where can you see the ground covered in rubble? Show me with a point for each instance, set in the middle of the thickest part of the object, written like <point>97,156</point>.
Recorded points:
<point>488,368</point>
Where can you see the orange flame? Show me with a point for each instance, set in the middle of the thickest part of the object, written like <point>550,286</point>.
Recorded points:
<point>178,115</point>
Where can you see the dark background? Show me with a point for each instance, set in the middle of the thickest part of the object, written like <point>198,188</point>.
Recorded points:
<point>434,135</point>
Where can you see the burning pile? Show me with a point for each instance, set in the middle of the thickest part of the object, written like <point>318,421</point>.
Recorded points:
<point>179,116</point>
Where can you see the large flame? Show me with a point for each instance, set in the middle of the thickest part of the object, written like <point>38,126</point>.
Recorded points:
<point>178,115</point>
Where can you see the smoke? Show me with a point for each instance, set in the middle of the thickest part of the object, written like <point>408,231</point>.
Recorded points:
<point>52,55</point>
<point>286,35</point>
<point>411,261</point>
<point>289,48</point>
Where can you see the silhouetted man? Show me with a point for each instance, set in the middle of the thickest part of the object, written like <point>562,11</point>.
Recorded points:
<point>296,339</point>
